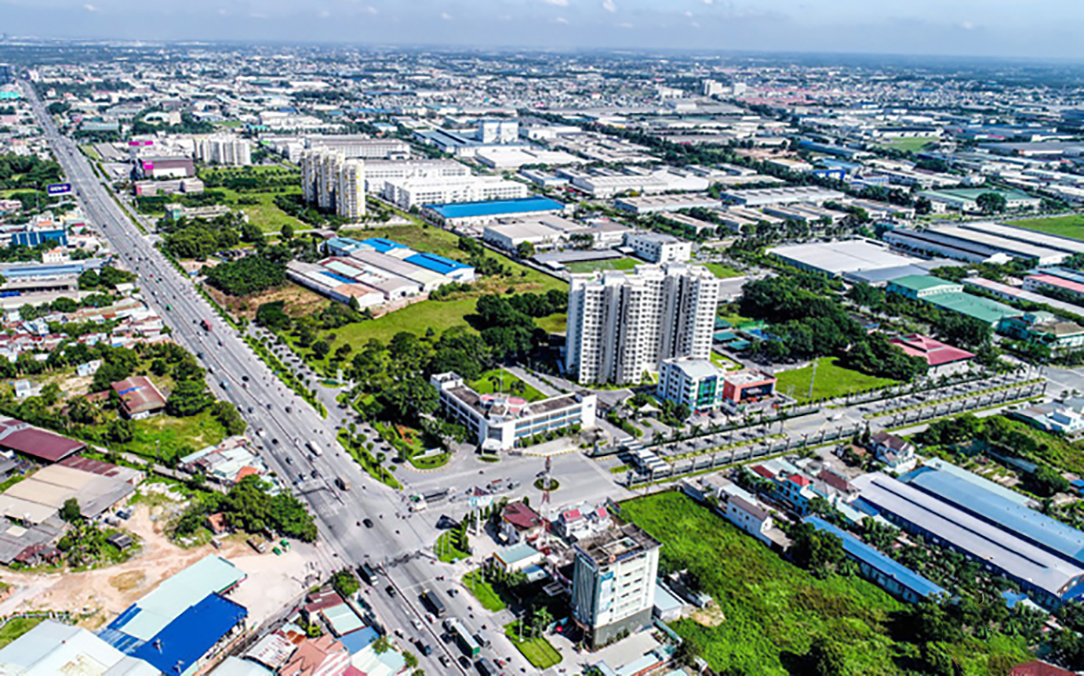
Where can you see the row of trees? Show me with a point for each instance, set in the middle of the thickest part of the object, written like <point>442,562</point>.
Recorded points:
<point>251,508</point>
<point>27,171</point>
<point>201,238</point>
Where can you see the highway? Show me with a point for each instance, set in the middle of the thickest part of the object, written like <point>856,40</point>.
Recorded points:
<point>284,425</point>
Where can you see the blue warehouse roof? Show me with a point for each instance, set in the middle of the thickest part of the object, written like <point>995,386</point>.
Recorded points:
<point>1026,523</point>
<point>436,263</point>
<point>188,638</point>
<point>872,557</point>
<point>383,245</point>
<point>495,207</point>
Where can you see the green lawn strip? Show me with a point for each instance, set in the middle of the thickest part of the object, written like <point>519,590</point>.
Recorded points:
<point>489,381</point>
<point>724,362</point>
<point>163,437</point>
<point>774,610</point>
<point>367,461</point>
<point>722,271</point>
<point>11,481</point>
<point>1070,225</point>
<point>90,151</point>
<point>16,627</point>
<point>609,264</point>
<point>446,550</point>
<point>538,651</point>
<point>483,591</point>
<point>832,381</point>
<point>431,461</point>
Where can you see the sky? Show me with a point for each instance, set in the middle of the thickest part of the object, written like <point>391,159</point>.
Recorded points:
<point>1006,28</point>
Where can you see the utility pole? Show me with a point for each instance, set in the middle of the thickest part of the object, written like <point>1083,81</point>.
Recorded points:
<point>813,379</point>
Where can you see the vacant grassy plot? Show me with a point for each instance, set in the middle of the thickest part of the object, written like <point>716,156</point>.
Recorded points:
<point>90,151</point>
<point>772,610</point>
<point>264,213</point>
<point>722,271</point>
<point>483,591</point>
<point>163,437</point>
<point>611,264</point>
<point>500,380</point>
<point>538,651</point>
<point>16,628</point>
<point>446,550</point>
<point>429,239</point>
<point>1071,225</point>
<point>557,323</point>
<point>832,381</point>
<point>908,145</point>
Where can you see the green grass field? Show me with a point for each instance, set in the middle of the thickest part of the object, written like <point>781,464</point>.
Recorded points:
<point>722,271</point>
<point>429,239</point>
<point>832,381</point>
<point>483,591</point>
<point>163,436</point>
<point>538,651</point>
<point>771,611</point>
<point>446,551</point>
<point>90,151</point>
<point>909,145</point>
<point>1071,225</point>
<point>557,323</point>
<point>265,214</point>
<point>612,264</point>
<point>16,628</point>
<point>487,384</point>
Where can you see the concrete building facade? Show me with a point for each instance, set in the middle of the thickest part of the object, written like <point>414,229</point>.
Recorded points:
<point>333,183</point>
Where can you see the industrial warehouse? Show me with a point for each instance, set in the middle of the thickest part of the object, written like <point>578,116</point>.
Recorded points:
<point>377,272</point>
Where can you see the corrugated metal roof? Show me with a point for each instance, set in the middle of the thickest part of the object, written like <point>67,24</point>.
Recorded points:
<point>496,207</point>
<point>180,644</point>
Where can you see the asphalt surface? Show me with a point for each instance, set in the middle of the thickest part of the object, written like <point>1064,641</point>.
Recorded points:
<point>284,425</point>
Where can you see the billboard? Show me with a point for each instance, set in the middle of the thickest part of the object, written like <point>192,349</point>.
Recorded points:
<point>59,188</point>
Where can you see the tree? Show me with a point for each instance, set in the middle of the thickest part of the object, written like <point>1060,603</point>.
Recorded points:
<point>345,583</point>
<point>818,551</point>
<point>320,349</point>
<point>71,512</point>
<point>525,250</point>
<point>991,202</point>
<point>226,413</point>
<point>287,231</point>
<point>189,398</point>
<point>1047,482</point>
<point>410,660</point>
<point>381,645</point>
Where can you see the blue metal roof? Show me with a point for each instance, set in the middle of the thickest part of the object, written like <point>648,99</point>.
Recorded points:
<point>435,262</point>
<point>1026,523</point>
<point>496,207</point>
<point>383,245</point>
<point>359,640</point>
<point>181,644</point>
<point>872,557</point>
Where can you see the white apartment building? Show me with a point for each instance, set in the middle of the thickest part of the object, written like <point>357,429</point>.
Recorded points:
<point>378,172</point>
<point>613,583</point>
<point>333,182</point>
<point>224,150</point>
<point>657,247</point>
<point>622,325</point>
<point>415,192</point>
<point>498,131</point>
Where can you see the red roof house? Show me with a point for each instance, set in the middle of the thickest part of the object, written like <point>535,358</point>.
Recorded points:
<point>933,351</point>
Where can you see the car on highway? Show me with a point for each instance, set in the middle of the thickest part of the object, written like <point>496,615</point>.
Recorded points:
<point>390,590</point>
<point>444,661</point>
<point>426,649</point>
<point>368,522</point>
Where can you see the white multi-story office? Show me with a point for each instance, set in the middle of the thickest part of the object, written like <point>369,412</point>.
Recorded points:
<point>498,131</point>
<point>414,192</point>
<point>378,172</point>
<point>333,182</point>
<point>361,147</point>
<point>657,247</point>
<point>622,325</point>
<point>613,583</point>
<point>224,150</point>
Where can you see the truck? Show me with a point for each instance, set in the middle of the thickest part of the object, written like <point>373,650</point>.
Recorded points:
<point>463,639</point>
<point>205,325</point>
<point>366,573</point>
<point>313,448</point>
<point>433,601</point>
<point>342,483</point>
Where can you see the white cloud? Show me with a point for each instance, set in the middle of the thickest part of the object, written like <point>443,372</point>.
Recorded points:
<point>624,24</point>
<point>323,14</point>
<point>556,3</point>
<point>695,24</point>
<point>91,8</point>
<point>561,20</point>
<point>609,6</point>
<point>369,9</point>
<point>707,2</point>
<point>688,14</point>
<point>446,16</point>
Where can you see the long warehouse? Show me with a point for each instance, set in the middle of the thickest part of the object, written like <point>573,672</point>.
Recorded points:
<point>1049,578</point>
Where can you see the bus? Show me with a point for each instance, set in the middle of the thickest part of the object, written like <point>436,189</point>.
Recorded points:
<point>463,638</point>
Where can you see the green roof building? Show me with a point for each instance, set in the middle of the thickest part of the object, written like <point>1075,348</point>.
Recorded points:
<point>949,296</point>
<point>922,286</point>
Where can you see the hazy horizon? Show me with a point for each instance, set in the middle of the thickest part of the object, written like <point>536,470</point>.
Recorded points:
<point>961,28</point>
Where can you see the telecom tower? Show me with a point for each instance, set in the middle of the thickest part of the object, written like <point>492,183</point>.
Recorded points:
<point>546,523</point>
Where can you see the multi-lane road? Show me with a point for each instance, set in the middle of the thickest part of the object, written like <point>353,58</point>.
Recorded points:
<point>283,425</point>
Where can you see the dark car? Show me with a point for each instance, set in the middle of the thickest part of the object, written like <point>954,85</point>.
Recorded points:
<point>368,522</point>
<point>426,649</point>
<point>390,589</point>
